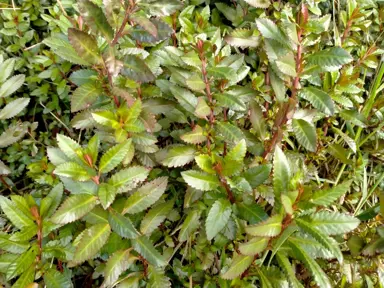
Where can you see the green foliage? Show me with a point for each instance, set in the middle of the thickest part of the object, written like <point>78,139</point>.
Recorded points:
<point>191,143</point>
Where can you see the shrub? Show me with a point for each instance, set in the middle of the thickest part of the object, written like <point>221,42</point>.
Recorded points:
<point>192,144</point>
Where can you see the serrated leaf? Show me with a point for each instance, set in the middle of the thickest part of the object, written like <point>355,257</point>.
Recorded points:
<point>242,38</point>
<point>82,76</point>
<point>230,101</point>
<point>179,156</point>
<point>6,68</point>
<point>305,133</point>
<point>351,143</point>
<point>278,85</point>
<point>205,163</point>
<point>107,194</point>
<point>22,263</point>
<point>55,279</point>
<point>252,213</point>
<point>340,153</point>
<point>196,136</point>
<point>26,279</point>
<point>333,223</point>
<point>136,69</point>
<point>190,225</point>
<point>157,279</point>
<point>74,171</point>
<point>74,208</point>
<point>186,99</point>
<point>54,197</point>
<point>4,170</point>
<point>238,152</point>
<point>354,117</point>
<point>331,59</point>
<point>286,64</point>
<point>255,246</point>
<point>218,217</point>
<point>84,96</point>
<point>221,72</point>
<point>268,228</point>
<point>107,118</point>
<point>13,108</point>
<point>259,3</point>
<point>92,240</point>
<point>288,270</point>
<point>116,265</point>
<point>229,131</point>
<point>155,217</point>
<point>202,109</point>
<point>195,83</point>
<point>12,246</point>
<point>14,214</point>
<point>13,134</point>
<point>68,146</point>
<point>281,172</point>
<point>200,180</point>
<point>61,46</point>
<point>122,225</point>
<point>56,156</point>
<point>321,238</point>
<point>85,45</point>
<point>239,264</point>
<point>11,85</point>
<point>129,178</point>
<point>145,196</point>
<point>328,196</point>
<point>319,99</point>
<point>95,18</point>
<point>270,30</point>
<point>145,248</point>
<point>318,274</point>
<point>114,156</point>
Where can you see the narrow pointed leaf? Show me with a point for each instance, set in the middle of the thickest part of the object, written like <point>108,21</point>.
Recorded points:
<point>305,134</point>
<point>113,157</point>
<point>200,180</point>
<point>155,217</point>
<point>218,217</point>
<point>122,225</point>
<point>268,228</point>
<point>328,196</point>
<point>281,172</point>
<point>85,45</point>
<point>13,108</point>
<point>254,246</point>
<point>145,248</point>
<point>319,99</point>
<point>240,263</point>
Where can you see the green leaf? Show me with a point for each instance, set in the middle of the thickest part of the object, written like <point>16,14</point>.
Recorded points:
<point>221,72</point>
<point>331,59</point>
<point>74,208</point>
<point>202,109</point>
<point>179,156</point>
<point>205,163</point>
<point>84,96</point>
<point>107,118</point>
<point>257,119</point>
<point>6,68</point>
<point>218,217</point>
<point>278,85</point>
<point>195,83</point>
<point>26,278</point>
<point>14,214</point>
<point>286,64</point>
<point>95,18</point>
<point>186,99</point>
<point>239,264</point>
<point>238,152</point>
<point>122,225</point>
<point>22,263</point>
<point>54,197</point>
<point>242,38</point>
<point>13,133</point>
<point>200,180</point>
<point>255,246</point>
<point>305,134</point>
<point>258,174</point>
<point>128,179</point>
<point>288,270</point>
<point>74,171</point>
<point>196,136</point>
<point>114,156</point>
<point>252,213</point>
<point>85,45</point>
<point>155,217</point>
<point>319,99</point>
<point>145,248</point>
<point>116,265</point>
<point>55,279</point>
<point>4,170</point>
<point>13,108</point>
<point>328,196</point>
<point>11,85</point>
<point>270,30</point>
<point>61,46</point>
<point>268,228</point>
<point>340,153</point>
<point>68,146</point>
<point>92,240</point>
<point>136,69</point>
<point>318,274</point>
<point>157,279</point>
<point>333,223</point>
<point>190,225</point>
<point>230,101</point>
<point>351,143</point>
<point>82,76</point>
<point>354,117</point>
<point>12,246</point>
<point>229,132</point>
<point>145,196</point>
<point>281,172</point>
<point>321,238</point>
<point>107,194</point>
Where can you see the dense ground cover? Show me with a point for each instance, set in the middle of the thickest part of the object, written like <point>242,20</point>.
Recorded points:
<point>167,143</point>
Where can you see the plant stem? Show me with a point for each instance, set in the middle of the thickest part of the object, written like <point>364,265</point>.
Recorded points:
<point>125,21</point>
